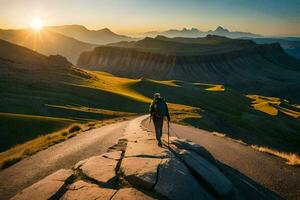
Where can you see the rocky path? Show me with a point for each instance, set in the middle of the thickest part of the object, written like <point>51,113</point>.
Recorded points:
<point>62,155</point>
<point>137,168</point>
<point>251,165</point>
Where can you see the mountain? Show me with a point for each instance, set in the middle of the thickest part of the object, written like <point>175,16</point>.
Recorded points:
<point>290,44</point>
<point>47,42</point>
<point>240,64</point>
<point>102,36</point>
<point>194,32</point>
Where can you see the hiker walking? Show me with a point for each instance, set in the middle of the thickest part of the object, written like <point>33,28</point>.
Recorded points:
<point>158,110</point>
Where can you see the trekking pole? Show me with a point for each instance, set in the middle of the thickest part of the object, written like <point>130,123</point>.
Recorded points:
<point>168,134</point>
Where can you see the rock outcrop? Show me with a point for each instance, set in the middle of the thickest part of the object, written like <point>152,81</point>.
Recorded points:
<point>137,168</point>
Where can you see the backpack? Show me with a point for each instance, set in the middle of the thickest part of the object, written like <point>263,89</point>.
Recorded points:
<point>160,108</point>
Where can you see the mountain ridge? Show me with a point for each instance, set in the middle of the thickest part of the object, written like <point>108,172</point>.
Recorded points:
<point>80,32</point>
<point>194,32</point>
<point>186,46</point>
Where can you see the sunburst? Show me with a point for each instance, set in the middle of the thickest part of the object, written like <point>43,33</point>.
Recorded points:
<point>37,24</point>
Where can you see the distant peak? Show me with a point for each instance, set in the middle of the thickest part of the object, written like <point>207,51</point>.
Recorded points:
<point>221,29</point>
<point>190,30</point>
<point>148,38</point>
<point>106,30</point>
<point>76,26</point>
<point>160,36</point>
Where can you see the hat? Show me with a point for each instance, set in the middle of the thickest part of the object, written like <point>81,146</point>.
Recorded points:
<point>157,95</point>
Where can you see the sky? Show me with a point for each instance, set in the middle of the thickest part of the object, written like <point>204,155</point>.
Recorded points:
<point>267,17</point>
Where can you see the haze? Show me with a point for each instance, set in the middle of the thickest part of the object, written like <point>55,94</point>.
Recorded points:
<point>131,17</point>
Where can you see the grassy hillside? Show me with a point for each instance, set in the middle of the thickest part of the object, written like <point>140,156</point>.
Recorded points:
<point>41,94</point>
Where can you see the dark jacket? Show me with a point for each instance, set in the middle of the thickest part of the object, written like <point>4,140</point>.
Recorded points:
<point>152,111</point>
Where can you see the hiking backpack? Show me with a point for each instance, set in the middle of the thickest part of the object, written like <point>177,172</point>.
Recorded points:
<point>160,108</point>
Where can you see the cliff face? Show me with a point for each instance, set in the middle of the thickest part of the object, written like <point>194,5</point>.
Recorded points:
<point>136,63</point>
<point>245,69</point>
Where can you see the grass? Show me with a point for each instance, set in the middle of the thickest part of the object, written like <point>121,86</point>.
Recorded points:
<point>120,86</point>
<point>21,128</point>
<point>91,110</point>
<point>291,158</point>
<point>173,83</point>
<point>211,87</point>
<point>265,104</point>
<point>18,152</point>
<point>273,106</point>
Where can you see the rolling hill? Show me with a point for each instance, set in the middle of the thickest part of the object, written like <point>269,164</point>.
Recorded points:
<point>239,64</point>
<point>100,37</point>
<point>47,42</point>
<point>41,94</point>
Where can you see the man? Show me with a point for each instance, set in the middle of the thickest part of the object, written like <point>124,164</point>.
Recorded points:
<point>159,109</point>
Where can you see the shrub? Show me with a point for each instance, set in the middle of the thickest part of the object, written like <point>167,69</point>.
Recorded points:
<point>65,133</point>
<point>74,128</point>
<point>9,162</point>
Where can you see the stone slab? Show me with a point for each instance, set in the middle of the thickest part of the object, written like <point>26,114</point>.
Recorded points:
<point>100,169</point>
<point>184,144</point>
<point>140,172</point>
<point>82,190</point>
<point>207,171</point>
<point>46,188</point>
<point>176,182</point>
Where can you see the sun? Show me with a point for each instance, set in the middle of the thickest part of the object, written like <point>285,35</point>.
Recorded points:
<point>36,24</point>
